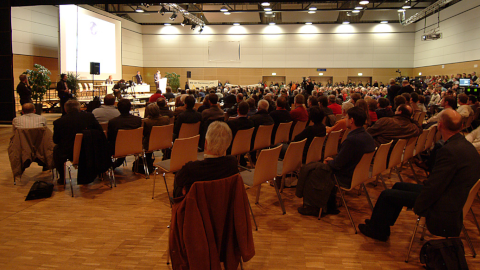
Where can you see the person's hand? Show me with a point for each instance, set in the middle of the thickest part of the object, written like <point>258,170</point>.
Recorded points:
<point>327,159</point>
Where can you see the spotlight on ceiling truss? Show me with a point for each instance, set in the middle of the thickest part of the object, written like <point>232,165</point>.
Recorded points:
<point>187,17</point>
<point>422,14</point>
<point>185,22</point>
<point>174,16</point>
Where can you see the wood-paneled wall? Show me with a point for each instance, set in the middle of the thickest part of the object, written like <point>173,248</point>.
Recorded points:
<point>128,72</point>
<point>23,62</point>
<point>464,67</point>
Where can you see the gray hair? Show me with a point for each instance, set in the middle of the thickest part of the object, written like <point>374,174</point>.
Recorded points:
<point>218,137</point>
<point>152,110</point>
<point>347,106</point>
<point>72,106</point>
<point>263,105</point>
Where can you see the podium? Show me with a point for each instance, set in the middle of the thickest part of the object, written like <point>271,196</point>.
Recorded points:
<point>163,84</point>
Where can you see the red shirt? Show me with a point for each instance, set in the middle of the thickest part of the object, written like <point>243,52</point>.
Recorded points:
<point>299,114</point>
<point>154,97</point>
<point>373,116</point>
<point>337,109</point>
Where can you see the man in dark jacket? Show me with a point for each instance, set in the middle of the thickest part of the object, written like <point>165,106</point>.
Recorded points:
<point>65,130</point>
<point>24,90</point>
<point>189,116</point>
<point>280,115</point>
<point>440,200</point>
<point>63,92</point>
<point>406,88</point>
<point>164,110</point>
<point>392,91</point>
<point>124,121</point>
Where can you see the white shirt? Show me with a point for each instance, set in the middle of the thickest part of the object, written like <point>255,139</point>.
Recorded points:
<point>434,99</point>
<point>105,113</point>
<point>474,138</point>
<point>30,120</point>
<point>465,110</point>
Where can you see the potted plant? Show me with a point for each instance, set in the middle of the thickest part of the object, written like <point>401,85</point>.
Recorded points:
<point>173,80</point>
<point>39,81</point>
<point>72,82</point>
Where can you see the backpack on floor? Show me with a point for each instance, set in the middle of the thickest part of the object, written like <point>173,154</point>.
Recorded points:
<point>40,190</point>
<point>443,254</point>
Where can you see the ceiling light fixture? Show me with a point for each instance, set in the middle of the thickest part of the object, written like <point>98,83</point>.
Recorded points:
<point>359,8</point>
<point>193,26</point>
<point>271,23</point>
<point>139,9</point>
<point>265,4</point>
<point>163,10</point>
<point>268,12</point>
<point>363,2</point>
<point>406,6</point>
<point>308,23</point>
<point>173,17</point>
<point>346,22</point>
<point>356,11</point>
<point>267,9</point>
<point>312,8</point>
<point>401,10</point>
<point>227,13</point>
<point>167,24</point>
<point>236,24</point>
<point>200,30</point>
<point>185,21</point>
<point>311,11</point>
<point>384,22</point>
<point>224,9</point>
<point>188,18</point>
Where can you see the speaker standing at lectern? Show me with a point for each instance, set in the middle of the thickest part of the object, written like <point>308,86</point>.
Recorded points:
<point>63,92</point>
<point>157,78</point>
<point>139,78</point>
<point>109,80</point>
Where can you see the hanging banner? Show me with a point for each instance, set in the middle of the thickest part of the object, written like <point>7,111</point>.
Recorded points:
<point>202,83</point>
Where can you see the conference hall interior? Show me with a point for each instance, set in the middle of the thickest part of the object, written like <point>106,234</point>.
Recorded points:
<point>238,135</point>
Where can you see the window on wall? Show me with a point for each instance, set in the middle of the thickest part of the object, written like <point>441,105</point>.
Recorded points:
<point>224,51</point>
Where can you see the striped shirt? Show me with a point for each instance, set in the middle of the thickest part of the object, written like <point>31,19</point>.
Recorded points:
<point>30,120</point>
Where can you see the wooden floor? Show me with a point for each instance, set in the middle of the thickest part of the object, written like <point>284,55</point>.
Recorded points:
<point>123,228</point>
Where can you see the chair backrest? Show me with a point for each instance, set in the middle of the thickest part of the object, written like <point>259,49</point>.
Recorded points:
<point>293,157</point>
<point>90,85</point>
<point>409,148</point>
<point>80,87</point>
<point>160,138</point>
<point>360,174</point>
<point>266,167</point>
<point>104,126</point>
<point>422,139</point>
<point>189,130</point>
<point>416,115</point>
<point>421,118</point>
<point>345,134</point>
<point>315,150</point>
<point>86,86</point>
<point>183,151</point>
<point>438,135</point>
<point>338,117</point>
<point>282,133</point>
<point>172,120</point>
<point>241,142</point>
<point>299,127</point>
<point>470,198</point>
<point>396,154</point>
<point>77,147</point>
<point>263,138</point>
<point>197,105</point>
<point>128,142</point>
<point>430,137</point>
<point>469,122</point>
<point>380,161</point>
<point>331,147</point>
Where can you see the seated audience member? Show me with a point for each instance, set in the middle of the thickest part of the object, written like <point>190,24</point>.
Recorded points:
<point>383,109</point>
<point>164,110</point>
<point>341,124</point>
<point>214,112</point>
<point>106,111</point>
<point>399,100</point>
<point>64,132</point>
<point>441,197</point>
<point>169,95</point>
<point>330,118</point>
<point>216,164</point>
<point>233,110</point>
<point>179,106</point>
<point>372,106</point>
<point>241,122</point>
<point>154,97</point>
<point>332,104</point>
<point>400,126</point>
<point>318,129</point>
<point>464,109</point>
<point>271,103</point>
<point>474,138</point>
<point>421,103</point>
<point>189,116</point>
<point>364,106</point>
<point>357,143</point>
<point>280,115</point>
<point>261,118</point>
<point>252,106</point>
<point>29,119</point>
<point>448,102</point>
<point>204,106</point>
<point>406,88</point>
<point>473,102</point>
<point>230,99</point>
<point>414,102</point>
<point>124,121</point>
<point>299,113</point>
<point>154,119</point>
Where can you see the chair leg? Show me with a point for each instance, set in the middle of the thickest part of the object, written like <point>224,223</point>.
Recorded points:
<point>250,160</point>
<point>320,214</point>
<point>258,194</point>
<point>70,177</point>
<point>398,173</point>
<point>469,241</point>
<point>282,185</point>
<point>411,241</point>
<point>154,178</point>
<point>253,216</point>
<point>383,181</point>
<point>475,219</point>
<point>279,196</point>
<point>344,203</point>
<point>145,167</point>
<point>368,196</point>
<point>166,187</point>
<point>413,171</point>
<point>390,173</point>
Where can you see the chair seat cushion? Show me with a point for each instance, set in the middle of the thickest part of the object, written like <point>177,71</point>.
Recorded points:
<point>163,165</point>
<point>248,177</point>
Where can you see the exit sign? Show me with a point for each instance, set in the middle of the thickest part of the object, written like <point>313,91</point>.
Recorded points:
<point>321,69</point>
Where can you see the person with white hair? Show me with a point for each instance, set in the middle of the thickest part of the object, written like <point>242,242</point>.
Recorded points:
<point>216,165</point>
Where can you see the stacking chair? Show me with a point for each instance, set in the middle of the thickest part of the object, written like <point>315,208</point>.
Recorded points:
<point>315,150</point>
<point>104,126</point>
<point>292,161</point>
<point>338,117</point>
<point>331,146</point>
<point>408,155</point>
<point>421,118</point>
<point>128,143</point>
<point>77,146</point>
<point>421,142</point>
<point>380,162</point>
<point>360,176</point>
<point>189,130</point>
<point>80,89</point>
<point>183,151</point>
<point>467,206</point>
<point>345,134</point>
<point>241,142</point>
<point>282,133</point>
<point>396,157</point>
<point>299,127</point>
<point>160,138</point>
<point>266,170</point>
<point>415,116</point>
<point>262,139</point>
<point>468,123</point>
<point>430,138</point>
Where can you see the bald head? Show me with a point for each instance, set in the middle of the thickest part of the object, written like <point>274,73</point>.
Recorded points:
<point>28,108</point>
<point>451,120</point>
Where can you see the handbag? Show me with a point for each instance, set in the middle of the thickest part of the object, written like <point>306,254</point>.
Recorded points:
<point>443,254</point>
<point>40,190</point>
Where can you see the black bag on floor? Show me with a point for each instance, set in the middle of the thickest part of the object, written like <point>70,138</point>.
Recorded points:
<point>140,169</point>
<point>443,254</point>
<point>40,190</point>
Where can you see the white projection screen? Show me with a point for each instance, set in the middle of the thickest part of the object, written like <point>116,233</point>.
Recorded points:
<point>224,51</point>
<point>85,37</point>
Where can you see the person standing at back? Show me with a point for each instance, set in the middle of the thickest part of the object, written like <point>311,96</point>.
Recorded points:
<point>24,90</point>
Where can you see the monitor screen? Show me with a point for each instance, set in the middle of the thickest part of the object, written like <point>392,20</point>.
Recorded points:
<point>464,82</point>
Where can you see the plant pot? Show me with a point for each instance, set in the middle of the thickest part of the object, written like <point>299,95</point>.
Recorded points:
<point>38,108</point>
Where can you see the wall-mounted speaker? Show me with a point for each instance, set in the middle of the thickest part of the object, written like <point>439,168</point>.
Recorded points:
<point>94,68</point>
<point>189,74</point>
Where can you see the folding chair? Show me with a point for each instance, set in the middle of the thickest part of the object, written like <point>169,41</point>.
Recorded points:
<point>160,139</point>
<point>408,154</point>
<point>183,151</point>
<point>241,142</point>
<point>380,162</point>
<point>467,206</point>
<point>360,176</point>
<point>430,138</point>
<point>265,170</point>
<point>421,118</point>
<point>315,150</point>
<point>345,134</point>
<point>299,127</point>
<point>262,140</point>
<point>292,161</point>
<point>331,146</point>
<point>396,157</point>
<point>282,133</point>
<point>189,130</point>
<point>77,146</point>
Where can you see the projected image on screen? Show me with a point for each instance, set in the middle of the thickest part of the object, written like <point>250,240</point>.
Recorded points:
<point>95,38</point>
